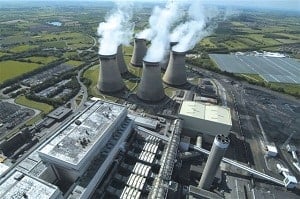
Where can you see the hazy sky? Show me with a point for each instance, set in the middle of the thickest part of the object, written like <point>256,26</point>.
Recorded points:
<point>272,4</point>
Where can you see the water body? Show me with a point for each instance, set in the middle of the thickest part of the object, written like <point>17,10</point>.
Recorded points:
<point>55,23</point>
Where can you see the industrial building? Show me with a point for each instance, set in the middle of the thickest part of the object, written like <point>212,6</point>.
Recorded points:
<point>21,185</point>
<point>74,161</point>
<point>204,118</point>
<point>60,113</point>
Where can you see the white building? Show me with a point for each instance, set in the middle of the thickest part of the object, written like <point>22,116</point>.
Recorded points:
<point>21,185</point>
<point>205,118</point>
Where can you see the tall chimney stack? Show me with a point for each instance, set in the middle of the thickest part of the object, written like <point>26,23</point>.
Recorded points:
<point>175,74</point>
<point>120,61</point>
<point>217,152</point>
<point>139,52</point>
<point>151,88</point>
<point>110,79</point>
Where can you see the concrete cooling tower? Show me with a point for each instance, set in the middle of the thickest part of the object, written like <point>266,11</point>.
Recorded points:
<point>175,74</point>
<point>164,64</point>
<point>139,52</point>
<point>110,79</point>
<point>120,61</point>
<point>151,87</point>
<point>217,152</point>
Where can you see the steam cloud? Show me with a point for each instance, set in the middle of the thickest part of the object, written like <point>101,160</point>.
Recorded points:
<point>116,29</point>
<point>193,30</point>
<point>160,23</point>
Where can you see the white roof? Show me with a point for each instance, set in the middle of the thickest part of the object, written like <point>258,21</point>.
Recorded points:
<point>3,168</point>
<point>213,113</point>
<point>272,148</point>
<point>67,147</point>
<point>19,185</point>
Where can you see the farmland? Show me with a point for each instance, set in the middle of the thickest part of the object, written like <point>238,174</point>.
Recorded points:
<point>10,69</point>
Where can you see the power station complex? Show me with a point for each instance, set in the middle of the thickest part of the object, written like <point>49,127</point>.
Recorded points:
<point>110,151</point>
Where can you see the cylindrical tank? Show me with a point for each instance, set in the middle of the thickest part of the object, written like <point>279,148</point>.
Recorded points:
<point>175,74</point>
<point>110,79</point>
<point>139,52</point>
<point>151,87</point>
<point>220,145</point>
<point>120,60</point>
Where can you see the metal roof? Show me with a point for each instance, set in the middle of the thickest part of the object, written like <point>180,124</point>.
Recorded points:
<point>20,185</point>
<point>79,138</point>
<point>213,113</point>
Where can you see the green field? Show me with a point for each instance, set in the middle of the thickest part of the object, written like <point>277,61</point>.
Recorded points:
<point>22,48</point>
<point>41,60</point>
<point>32,104</point>
<point>74,63</point>
<point>92,73</point>
<point>10,69</point>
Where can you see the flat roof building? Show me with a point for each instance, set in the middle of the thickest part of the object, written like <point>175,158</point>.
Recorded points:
<point>60,113</point>
<point>21,185</point>
<point>204,118</point>
<point>79,141</point>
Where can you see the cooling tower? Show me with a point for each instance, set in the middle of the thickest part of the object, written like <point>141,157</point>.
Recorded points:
<point>151,87</point>
<point>164,64</point>
<point>217,152</point>
<point>120,61</point>
<point>110,79</point>
<point>139,52</point>
<point>175,74</point>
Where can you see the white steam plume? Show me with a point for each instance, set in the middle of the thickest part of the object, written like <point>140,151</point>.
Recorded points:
<point>193,30</point>
<point>160,22</point>
<point>117,29</point>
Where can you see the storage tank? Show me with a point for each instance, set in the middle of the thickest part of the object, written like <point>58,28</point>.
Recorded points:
<point>151,87</point>
<point>110,79</point>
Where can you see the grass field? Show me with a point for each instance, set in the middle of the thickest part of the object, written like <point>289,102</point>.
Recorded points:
<point>43,60</point>
<point>32,104</point>
<point>74,63</point>
<point>22,48</point>
<point>10,69</point>
<point>70,54</point>
<point>92,74</point>
<point>54,44</point>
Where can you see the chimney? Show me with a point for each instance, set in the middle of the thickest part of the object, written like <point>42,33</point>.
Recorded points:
<point>110,79</point>
<point>175,74</point>
<point>120,60</point>
<point>139,52</point>
<point>216,154</point>
<point>164,64</point>
<point>151,88</point>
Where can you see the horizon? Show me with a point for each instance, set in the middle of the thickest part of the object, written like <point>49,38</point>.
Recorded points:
<point>278,5</point>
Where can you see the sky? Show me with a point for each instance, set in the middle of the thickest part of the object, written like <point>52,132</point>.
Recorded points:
<point>269,4</point>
